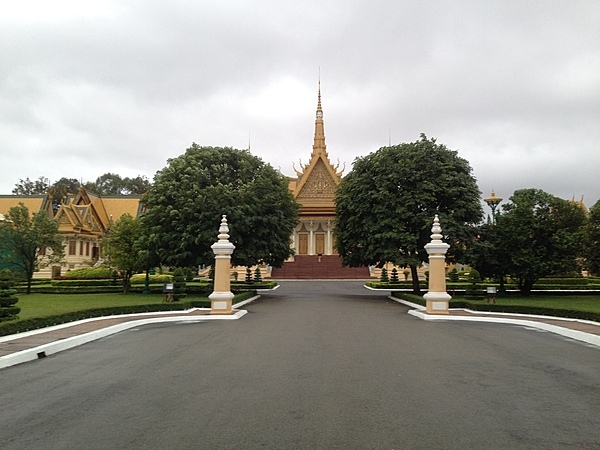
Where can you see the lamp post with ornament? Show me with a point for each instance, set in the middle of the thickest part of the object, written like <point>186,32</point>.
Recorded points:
<point>493,203</point>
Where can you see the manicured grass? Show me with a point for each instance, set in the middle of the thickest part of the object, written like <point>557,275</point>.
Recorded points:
<point>46,305</point>
<point>589,303</point>
<point>586,303</point>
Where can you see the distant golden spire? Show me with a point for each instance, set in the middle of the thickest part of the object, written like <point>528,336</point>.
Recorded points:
<point>319,146</point>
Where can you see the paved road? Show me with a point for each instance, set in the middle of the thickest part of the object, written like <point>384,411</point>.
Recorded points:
<point>314,365</point>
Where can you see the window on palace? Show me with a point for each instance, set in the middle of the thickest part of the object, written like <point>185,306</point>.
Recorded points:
<point>81,248</point>
<point>87,249</point>
<point>72,247</point>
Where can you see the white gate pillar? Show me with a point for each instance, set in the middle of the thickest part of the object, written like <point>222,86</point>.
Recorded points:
<point>220,299</point>
<point>437,298</point>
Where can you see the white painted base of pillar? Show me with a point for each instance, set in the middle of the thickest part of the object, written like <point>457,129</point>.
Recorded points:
<point>220,302</point>
<point>437,302</point>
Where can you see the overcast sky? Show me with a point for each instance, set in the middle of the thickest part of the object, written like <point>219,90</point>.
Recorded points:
<point>89,87</point>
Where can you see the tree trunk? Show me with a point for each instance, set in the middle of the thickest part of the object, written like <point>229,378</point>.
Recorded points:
<point>415,280</point>
<point>29,269</point>
<point>126,278</point>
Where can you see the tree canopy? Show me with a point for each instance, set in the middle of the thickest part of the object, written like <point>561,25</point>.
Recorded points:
<point>122,248</point>
<point>385,206</point>
<point>25,238</point>
<point>29,187</point>
<point>536,235</point>
<point>189,196</point>
<point>114,184</point>
<point>107,184</point>
<point>592,240</point>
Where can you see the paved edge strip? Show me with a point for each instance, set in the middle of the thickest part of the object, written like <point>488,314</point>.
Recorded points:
<point>51,348</point>
<point>419,311</point>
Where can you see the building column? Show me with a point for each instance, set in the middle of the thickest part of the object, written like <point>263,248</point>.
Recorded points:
<point>437,298</point>
<point>311,238</point>
<point>220,299</point>
<point>329,248</point>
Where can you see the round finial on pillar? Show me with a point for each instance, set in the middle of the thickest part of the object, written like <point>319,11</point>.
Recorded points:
<point>436,230</point>
<point>223,229</point>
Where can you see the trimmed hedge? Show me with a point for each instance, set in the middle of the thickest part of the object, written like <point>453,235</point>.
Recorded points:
<point>140,278</point>
<point>86,282</point>
<point>76,289</point>
<point>89,273</point>
<point>581,281</point>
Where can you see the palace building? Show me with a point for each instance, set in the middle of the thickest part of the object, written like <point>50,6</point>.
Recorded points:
<point>84,218</point>
<point>314,189</point>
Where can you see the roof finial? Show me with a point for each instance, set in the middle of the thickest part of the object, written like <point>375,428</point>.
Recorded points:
<point>319,141</point>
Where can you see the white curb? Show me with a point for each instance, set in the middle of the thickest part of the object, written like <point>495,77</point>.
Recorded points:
<point>582,336</point>
<point>44,350</point>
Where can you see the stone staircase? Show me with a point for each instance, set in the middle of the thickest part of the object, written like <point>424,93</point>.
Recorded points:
<point>319,267</point>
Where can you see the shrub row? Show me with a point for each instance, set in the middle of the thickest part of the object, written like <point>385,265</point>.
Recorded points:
<point>86,282</point>
<point>566,281</point>
<point>464,285</point>
<point>193,289</point>
<point>88,273</point>
<point>140,278</point>
<point>75,289</point>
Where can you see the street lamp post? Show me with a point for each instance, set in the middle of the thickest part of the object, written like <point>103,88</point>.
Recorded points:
<point>493,203</point>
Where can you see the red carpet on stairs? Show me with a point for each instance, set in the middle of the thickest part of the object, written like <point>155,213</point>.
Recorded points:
<point>315,267</point>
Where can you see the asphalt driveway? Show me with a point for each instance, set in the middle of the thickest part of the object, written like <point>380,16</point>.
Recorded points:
<point>312,365</point>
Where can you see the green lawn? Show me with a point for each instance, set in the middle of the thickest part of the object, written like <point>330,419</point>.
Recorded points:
<point>45,305</point>
<point>589,303</point>
<point>585,303</point>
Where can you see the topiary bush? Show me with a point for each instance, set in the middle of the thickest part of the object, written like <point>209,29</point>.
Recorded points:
<point>249,279</point>
<point>394,278</point>
<point>8,296</point>
<point>474,288</point>
<point>453,275</point>
<point>190,273</point>
<point>257,275</point>
<point>179,286</point>
<point>384,276</point>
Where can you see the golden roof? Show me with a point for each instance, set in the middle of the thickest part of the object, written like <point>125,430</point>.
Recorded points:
<point>117,206</point>
<point>34,203</point>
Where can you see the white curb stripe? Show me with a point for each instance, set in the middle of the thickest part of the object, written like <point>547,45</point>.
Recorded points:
<point>51,348</point>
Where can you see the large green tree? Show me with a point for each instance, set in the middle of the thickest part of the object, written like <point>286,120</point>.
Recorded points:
<point>488,254</point>
<point>540,235</point>
<point>122,248</point>
<point>29,187</point>
<point>114,184</point>
<point>27,239</point>
<point>385,206</point>
<point>592,240</point>
<point>189,196</point>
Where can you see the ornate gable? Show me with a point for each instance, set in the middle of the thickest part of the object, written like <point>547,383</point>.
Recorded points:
<point>318,181</point>
<point>318,184</point>
<point>80,215</point>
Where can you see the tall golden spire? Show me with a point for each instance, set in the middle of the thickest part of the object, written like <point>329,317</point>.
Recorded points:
<point>319,146</point>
